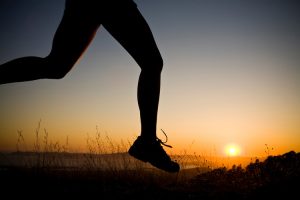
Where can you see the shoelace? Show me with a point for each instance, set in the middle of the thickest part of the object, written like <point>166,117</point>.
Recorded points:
<point>164,143</point>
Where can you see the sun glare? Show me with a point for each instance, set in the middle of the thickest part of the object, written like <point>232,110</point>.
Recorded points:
<point>232,150</point>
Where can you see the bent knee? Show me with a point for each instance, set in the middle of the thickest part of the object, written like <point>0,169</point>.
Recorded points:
<point>159,64</point>
<point>57,70</point>
<point>58,75</point>
<point>153,65</point>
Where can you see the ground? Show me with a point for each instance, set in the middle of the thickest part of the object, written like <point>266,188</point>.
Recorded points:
<point>277,177</point>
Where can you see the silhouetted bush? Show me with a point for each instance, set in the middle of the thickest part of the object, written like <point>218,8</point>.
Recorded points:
<point>277,176</point>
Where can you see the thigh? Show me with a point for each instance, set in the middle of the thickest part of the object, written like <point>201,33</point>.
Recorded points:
<point>127,25</point>
<point>75,32</point>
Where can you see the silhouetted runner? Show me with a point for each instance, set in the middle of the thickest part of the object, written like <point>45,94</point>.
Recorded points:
<point>122,19</point>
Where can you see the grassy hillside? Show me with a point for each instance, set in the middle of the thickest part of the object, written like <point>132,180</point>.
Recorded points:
<point>276,177</point>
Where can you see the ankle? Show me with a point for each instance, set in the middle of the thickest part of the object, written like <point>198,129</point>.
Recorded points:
<point>147,139</point>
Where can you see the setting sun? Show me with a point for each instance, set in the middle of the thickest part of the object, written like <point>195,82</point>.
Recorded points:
<point>232,150</point>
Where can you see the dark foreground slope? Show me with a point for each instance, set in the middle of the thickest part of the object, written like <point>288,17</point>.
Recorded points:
<point>277,177</point>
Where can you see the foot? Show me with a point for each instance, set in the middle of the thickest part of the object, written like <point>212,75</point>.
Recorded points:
<point>153,152</point>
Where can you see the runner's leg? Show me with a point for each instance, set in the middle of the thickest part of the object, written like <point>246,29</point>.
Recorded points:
<point>71,39</point>
<point>132,31</point>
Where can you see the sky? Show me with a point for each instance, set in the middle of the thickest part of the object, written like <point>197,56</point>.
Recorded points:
<point>231,76</point>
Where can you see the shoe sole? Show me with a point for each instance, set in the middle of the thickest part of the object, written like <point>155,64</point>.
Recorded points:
<point>153,164</point>
<point>139,157</point>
